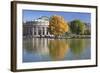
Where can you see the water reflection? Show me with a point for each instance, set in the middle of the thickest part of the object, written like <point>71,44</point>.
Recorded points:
<point>41,49</point>
<point>36,45</point>
<point>78,46</point>
<point>58,49</point>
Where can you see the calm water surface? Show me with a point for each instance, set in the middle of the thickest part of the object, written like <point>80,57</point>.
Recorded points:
<point>42,49</point>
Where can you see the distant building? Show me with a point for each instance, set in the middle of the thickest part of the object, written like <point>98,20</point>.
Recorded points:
<point>37,27</point>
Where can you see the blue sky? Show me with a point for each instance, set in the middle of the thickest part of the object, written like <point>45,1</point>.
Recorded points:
<point>29,15</point>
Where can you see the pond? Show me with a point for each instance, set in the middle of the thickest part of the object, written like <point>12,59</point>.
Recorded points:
<point>43,49</point>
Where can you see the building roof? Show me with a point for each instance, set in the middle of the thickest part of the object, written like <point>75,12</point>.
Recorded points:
<point>43,20</point>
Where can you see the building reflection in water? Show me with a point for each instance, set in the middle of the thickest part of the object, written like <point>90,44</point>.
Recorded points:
<point>55,49</point>
<point>36,45</point>
<point>40,45</point>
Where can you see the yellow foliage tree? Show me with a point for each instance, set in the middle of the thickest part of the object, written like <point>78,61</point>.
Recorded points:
<point>57,25</point>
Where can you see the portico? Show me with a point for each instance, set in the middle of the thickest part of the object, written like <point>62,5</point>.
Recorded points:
<point>40,31</point>
<point>37,28</point>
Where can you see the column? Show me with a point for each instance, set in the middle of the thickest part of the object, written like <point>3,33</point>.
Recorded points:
<point>36,31</point>
<point>48,33</point>
<point>33,31</point>
<point>41,30</point>
<point>44,30</point>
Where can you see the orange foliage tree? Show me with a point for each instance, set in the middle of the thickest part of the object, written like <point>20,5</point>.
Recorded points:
<point>57,25</point>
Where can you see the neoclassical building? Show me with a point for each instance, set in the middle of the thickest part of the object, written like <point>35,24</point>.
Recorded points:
<point>37,27</point>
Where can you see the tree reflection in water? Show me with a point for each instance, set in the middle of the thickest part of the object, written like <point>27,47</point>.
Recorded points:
<point>42,49</point>
<point>58,48</point>
<point>78,46</point>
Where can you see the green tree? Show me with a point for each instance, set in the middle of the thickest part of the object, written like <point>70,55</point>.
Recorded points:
<point>77,27</point>
<point>88,29</point>
<point>57,25</point>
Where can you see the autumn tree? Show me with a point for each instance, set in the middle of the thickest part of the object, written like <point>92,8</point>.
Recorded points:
<point>57,25</point>
<point>77,27</point>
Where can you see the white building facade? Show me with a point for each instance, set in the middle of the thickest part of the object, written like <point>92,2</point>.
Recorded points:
<point>37,27</point>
